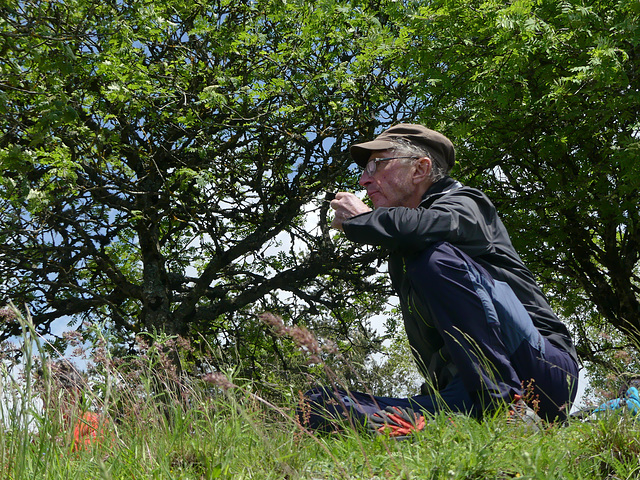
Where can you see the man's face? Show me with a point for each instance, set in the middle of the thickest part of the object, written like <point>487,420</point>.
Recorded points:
<point>392,183</point>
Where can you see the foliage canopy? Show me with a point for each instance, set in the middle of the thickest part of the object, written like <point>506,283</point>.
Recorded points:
<point>543,99</point>
<point>164,164</point>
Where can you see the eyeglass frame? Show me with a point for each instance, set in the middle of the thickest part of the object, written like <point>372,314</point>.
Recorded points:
<point>374,162</point>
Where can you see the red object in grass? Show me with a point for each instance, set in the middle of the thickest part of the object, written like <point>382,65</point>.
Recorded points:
<point>398,422</point>
<point>89,429</point>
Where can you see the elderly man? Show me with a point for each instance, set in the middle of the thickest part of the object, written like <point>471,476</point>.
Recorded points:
<point>480,328</point>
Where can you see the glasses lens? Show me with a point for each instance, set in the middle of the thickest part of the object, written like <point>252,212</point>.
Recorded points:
<point>371,167</point>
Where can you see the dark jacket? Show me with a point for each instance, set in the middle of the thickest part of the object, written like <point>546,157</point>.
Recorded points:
<point>466,218</point>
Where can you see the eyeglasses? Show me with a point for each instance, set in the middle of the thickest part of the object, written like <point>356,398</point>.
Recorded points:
<point>372,165</point>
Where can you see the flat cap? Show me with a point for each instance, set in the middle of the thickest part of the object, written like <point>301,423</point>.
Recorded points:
<point>437,144</point>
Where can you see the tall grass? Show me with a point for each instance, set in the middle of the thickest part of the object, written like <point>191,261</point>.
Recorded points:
<point>219,427</point>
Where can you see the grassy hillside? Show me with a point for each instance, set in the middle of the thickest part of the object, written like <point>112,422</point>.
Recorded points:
<point>237,436</point>
<point>217,426</point>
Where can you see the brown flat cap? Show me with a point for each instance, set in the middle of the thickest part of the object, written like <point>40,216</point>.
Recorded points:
<point>440,146</point>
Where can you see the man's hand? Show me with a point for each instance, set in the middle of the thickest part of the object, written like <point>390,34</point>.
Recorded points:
<point>346,205</point>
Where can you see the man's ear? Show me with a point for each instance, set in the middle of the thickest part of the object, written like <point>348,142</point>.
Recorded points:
<point>422,170</point>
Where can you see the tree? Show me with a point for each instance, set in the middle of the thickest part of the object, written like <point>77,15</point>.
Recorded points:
<point>162,162</point>
<point>543,101</point>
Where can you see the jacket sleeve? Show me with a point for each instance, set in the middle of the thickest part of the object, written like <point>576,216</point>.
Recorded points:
<point>455,218</point>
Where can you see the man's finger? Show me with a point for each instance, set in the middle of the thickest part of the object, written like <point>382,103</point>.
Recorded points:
<point>336,223</point>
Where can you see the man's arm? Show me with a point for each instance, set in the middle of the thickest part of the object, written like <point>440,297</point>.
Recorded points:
<point>457,219</point>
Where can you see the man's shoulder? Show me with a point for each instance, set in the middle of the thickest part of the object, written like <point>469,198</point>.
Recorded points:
<point>449,189</point>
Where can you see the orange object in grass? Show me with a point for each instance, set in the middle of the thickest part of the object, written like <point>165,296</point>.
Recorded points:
<point>88,430</point>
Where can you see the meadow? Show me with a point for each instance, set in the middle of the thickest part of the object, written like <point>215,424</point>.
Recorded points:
<point>219,426</point>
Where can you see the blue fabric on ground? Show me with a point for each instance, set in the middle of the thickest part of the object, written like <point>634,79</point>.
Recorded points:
<point>629,403</point>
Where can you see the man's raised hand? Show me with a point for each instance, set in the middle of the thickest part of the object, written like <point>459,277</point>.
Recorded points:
<point>346,205</point>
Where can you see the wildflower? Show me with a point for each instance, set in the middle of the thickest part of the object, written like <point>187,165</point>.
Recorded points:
<point>605,336</point>
<point>183,344</point>
<point>142,344</point>
<point>78,352</point>
<point>623,355</point>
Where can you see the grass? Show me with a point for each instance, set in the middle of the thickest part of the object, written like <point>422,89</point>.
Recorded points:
<point>225,440</point>
<point>218,429</point>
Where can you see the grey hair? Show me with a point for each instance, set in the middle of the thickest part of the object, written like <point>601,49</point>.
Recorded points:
<point>403,147</point>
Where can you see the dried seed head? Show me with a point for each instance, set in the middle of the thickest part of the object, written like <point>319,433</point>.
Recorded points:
<point>275,322</point>
<point>7,315</point>
<point>305,340</point>
<point>219,380</point>
<point>66,374</point>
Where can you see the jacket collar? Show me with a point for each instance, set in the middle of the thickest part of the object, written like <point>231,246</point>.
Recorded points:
<point>442,186</point>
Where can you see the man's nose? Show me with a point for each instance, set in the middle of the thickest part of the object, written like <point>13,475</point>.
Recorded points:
<point>365,179</point>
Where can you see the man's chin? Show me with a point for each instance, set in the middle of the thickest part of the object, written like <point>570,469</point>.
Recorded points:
<point>377,200</point>
<point>379,203</point>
